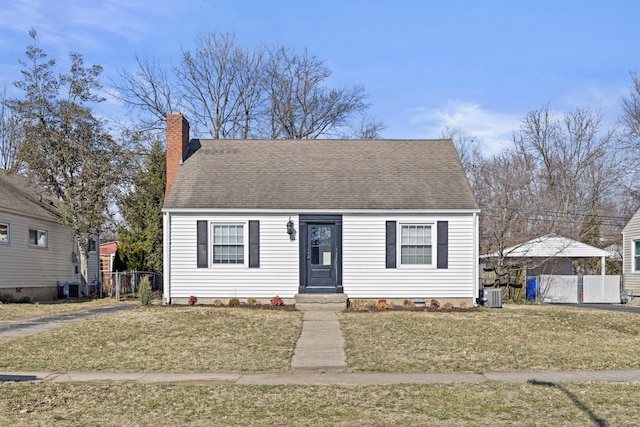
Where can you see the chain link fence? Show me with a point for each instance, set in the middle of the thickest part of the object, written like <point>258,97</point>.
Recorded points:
<point>124,284</point>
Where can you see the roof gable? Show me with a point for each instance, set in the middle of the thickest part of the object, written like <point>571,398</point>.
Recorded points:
<point>550,246</point>
<point>321,174</point>
<point>18,197</point>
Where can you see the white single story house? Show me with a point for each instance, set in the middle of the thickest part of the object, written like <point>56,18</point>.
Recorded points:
<point>36,252</point>
<point>393,219</point>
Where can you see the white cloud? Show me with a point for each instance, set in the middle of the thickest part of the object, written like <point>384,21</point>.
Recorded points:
<point>493,129</point>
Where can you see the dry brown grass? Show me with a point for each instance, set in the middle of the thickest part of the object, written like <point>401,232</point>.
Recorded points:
<point>490,404</point>
<point>527,338</point>
<point>25,311</point>
<point>174,339</point>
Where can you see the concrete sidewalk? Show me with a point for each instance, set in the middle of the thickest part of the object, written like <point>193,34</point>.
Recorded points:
<point>327,378</point>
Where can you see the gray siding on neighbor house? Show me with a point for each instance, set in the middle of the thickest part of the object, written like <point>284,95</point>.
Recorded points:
<point>630,233</point>
<point>25,266</point>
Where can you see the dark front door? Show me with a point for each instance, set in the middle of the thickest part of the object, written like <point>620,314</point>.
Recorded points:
<point>321,257</point>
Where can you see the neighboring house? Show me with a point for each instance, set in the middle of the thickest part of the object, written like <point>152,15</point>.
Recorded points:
<point>392,219</point>
<point>548,263</point>
<point>107,255</point>
<point>631,256</point>
<point>36,252</point>
<point>551,254</point>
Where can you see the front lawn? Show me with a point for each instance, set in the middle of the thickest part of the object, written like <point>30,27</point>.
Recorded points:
<point>38,309</point>
<point>508,339</point>
<point>489,404</point>
<point>174,339</point>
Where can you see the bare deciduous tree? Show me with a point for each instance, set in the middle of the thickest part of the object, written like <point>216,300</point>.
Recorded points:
<point>231,92</point>
<point>467,147</point>
<point>148,92</point>
<point>574,162</point>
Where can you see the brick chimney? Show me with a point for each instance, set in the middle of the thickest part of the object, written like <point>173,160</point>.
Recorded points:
<point>177,141</point>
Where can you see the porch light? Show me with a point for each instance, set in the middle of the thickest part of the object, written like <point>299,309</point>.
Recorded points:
<point>290,227</point>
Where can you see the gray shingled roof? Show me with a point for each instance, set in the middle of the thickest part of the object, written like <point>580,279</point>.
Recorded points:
<point>18,197</point>
<point>321,174</point>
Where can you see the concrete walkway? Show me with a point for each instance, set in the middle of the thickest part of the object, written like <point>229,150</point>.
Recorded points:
<point>320,346</point>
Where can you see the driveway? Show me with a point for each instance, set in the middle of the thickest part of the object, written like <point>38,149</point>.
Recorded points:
<point>12,329</point>
<point>609,307</point>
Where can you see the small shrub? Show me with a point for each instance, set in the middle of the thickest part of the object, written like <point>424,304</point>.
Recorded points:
<point>408,303</point>
<point>193,300</point>
<point>252,302</point>
<point>382,304</point>
<point>463,304</point>
<point>434,303</point>
<point>277,301</point>
<point>362,304</point>
<point>23,300</point>
<point>218,303</point>
<point>234,302</point>
<point>145,293</point>
<point>7,298</point>
<point>448,305</point>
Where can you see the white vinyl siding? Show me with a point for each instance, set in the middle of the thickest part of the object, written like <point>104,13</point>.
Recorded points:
<point>364,273</point>
<point>364,268</point>
<point>279,262</point>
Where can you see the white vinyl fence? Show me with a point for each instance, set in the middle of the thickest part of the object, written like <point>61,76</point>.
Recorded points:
<point>578,289</point>
<point>596,289</point>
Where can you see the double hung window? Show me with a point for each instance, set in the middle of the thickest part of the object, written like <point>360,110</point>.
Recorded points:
<point>416,244</point>
<point>228,244</point>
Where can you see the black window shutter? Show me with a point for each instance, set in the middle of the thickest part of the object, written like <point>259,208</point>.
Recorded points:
<point>443,244</point>
<point>391,244</point>
<point>203,259</point>
<point>254,244</point>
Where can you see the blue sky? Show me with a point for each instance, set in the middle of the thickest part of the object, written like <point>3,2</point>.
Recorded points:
<point>425,64</point>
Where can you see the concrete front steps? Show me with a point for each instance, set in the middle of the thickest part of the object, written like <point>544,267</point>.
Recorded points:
<point>321,302</point>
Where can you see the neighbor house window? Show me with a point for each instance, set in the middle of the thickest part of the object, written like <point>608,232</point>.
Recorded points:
<point>228,244</point>
<point>38,238</point>
<point>636,255</point>
<point>415,244</point>
<point>93,245</point>
<point>4,233</point>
